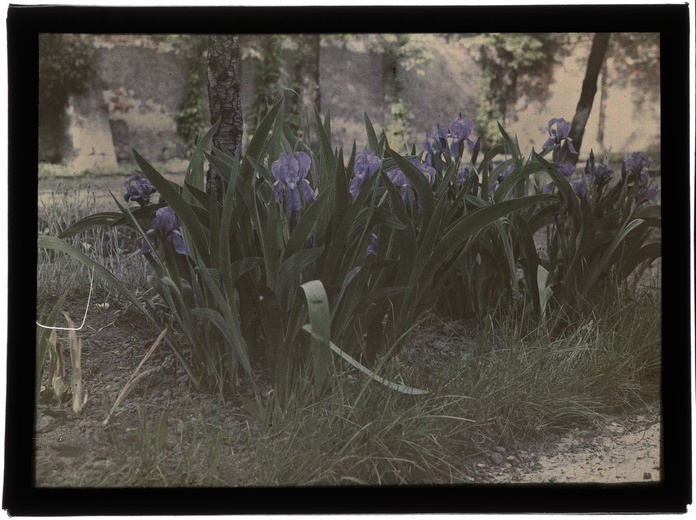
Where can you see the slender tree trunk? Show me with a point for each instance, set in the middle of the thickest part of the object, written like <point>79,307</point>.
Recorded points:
<point>225,99</point>
<point>602,106</point>
<point>269,76</point>
<point>311,92</point>
<point>600,42</point>
<point>306,83</point>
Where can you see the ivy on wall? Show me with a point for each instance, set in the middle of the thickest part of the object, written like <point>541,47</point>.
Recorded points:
<point>514,68</point>
<point>65,65</point>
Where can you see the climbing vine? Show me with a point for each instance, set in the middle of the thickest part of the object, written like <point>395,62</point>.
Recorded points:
<point>190,119</point>
<point>514,68</point>
<point>269,76</point>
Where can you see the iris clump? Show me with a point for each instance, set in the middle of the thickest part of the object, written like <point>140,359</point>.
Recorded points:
<point>165,228</point>
<point>290,173</point>
<point>448,141</point>
<point>366,164</point>
<point>138,188</point>
<point>559,130</point>
<point>639,164</point>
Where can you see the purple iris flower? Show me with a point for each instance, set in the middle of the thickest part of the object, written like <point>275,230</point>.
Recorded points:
<point>637,162</point>
<point>579,188</point>
<point>366,164</point>
<point>138,188</point>
<point>427,170</point>
<point>290,173</point>
<point>165,226</point>
<point>433,146</point>
<point>602,173</point>
<point>402,183</point>
<point>559,133</point>
<point>459,131</point>
<point>566,169</point>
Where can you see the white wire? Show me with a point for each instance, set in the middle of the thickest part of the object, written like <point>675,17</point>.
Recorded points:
<point>84,318</point>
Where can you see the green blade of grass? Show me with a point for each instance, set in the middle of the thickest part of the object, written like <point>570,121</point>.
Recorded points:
<point>48,242</point>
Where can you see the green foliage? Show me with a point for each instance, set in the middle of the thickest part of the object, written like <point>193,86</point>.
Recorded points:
<point>601,235</point>
<point>65,65</point>
<point>634,58</point>
<point>295,260</point>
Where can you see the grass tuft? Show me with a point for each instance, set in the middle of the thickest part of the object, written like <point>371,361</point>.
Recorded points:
<point>117,249</point>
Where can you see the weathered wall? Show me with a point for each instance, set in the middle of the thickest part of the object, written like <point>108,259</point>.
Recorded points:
<point>144,90</point>
<point>139,89</point>
<point>90,133</point>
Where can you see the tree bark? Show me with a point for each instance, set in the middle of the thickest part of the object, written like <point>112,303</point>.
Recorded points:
<point>600,42</point>
<point>225,99</point>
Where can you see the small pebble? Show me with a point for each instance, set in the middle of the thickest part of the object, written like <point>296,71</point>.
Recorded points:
<point>496,458</point>
<point>647,475</point>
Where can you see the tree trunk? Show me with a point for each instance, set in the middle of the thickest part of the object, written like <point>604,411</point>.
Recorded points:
<point>225,99</point>
<point>311,92</point>
<point>306,84</point>
<point>602,106</point>
<point>600,42</point>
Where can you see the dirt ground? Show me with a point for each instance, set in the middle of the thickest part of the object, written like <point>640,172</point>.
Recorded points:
<point>616,452</point>
<point>80,450</point>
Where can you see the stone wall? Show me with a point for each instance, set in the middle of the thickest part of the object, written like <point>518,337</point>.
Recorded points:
<point>135,95</point>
